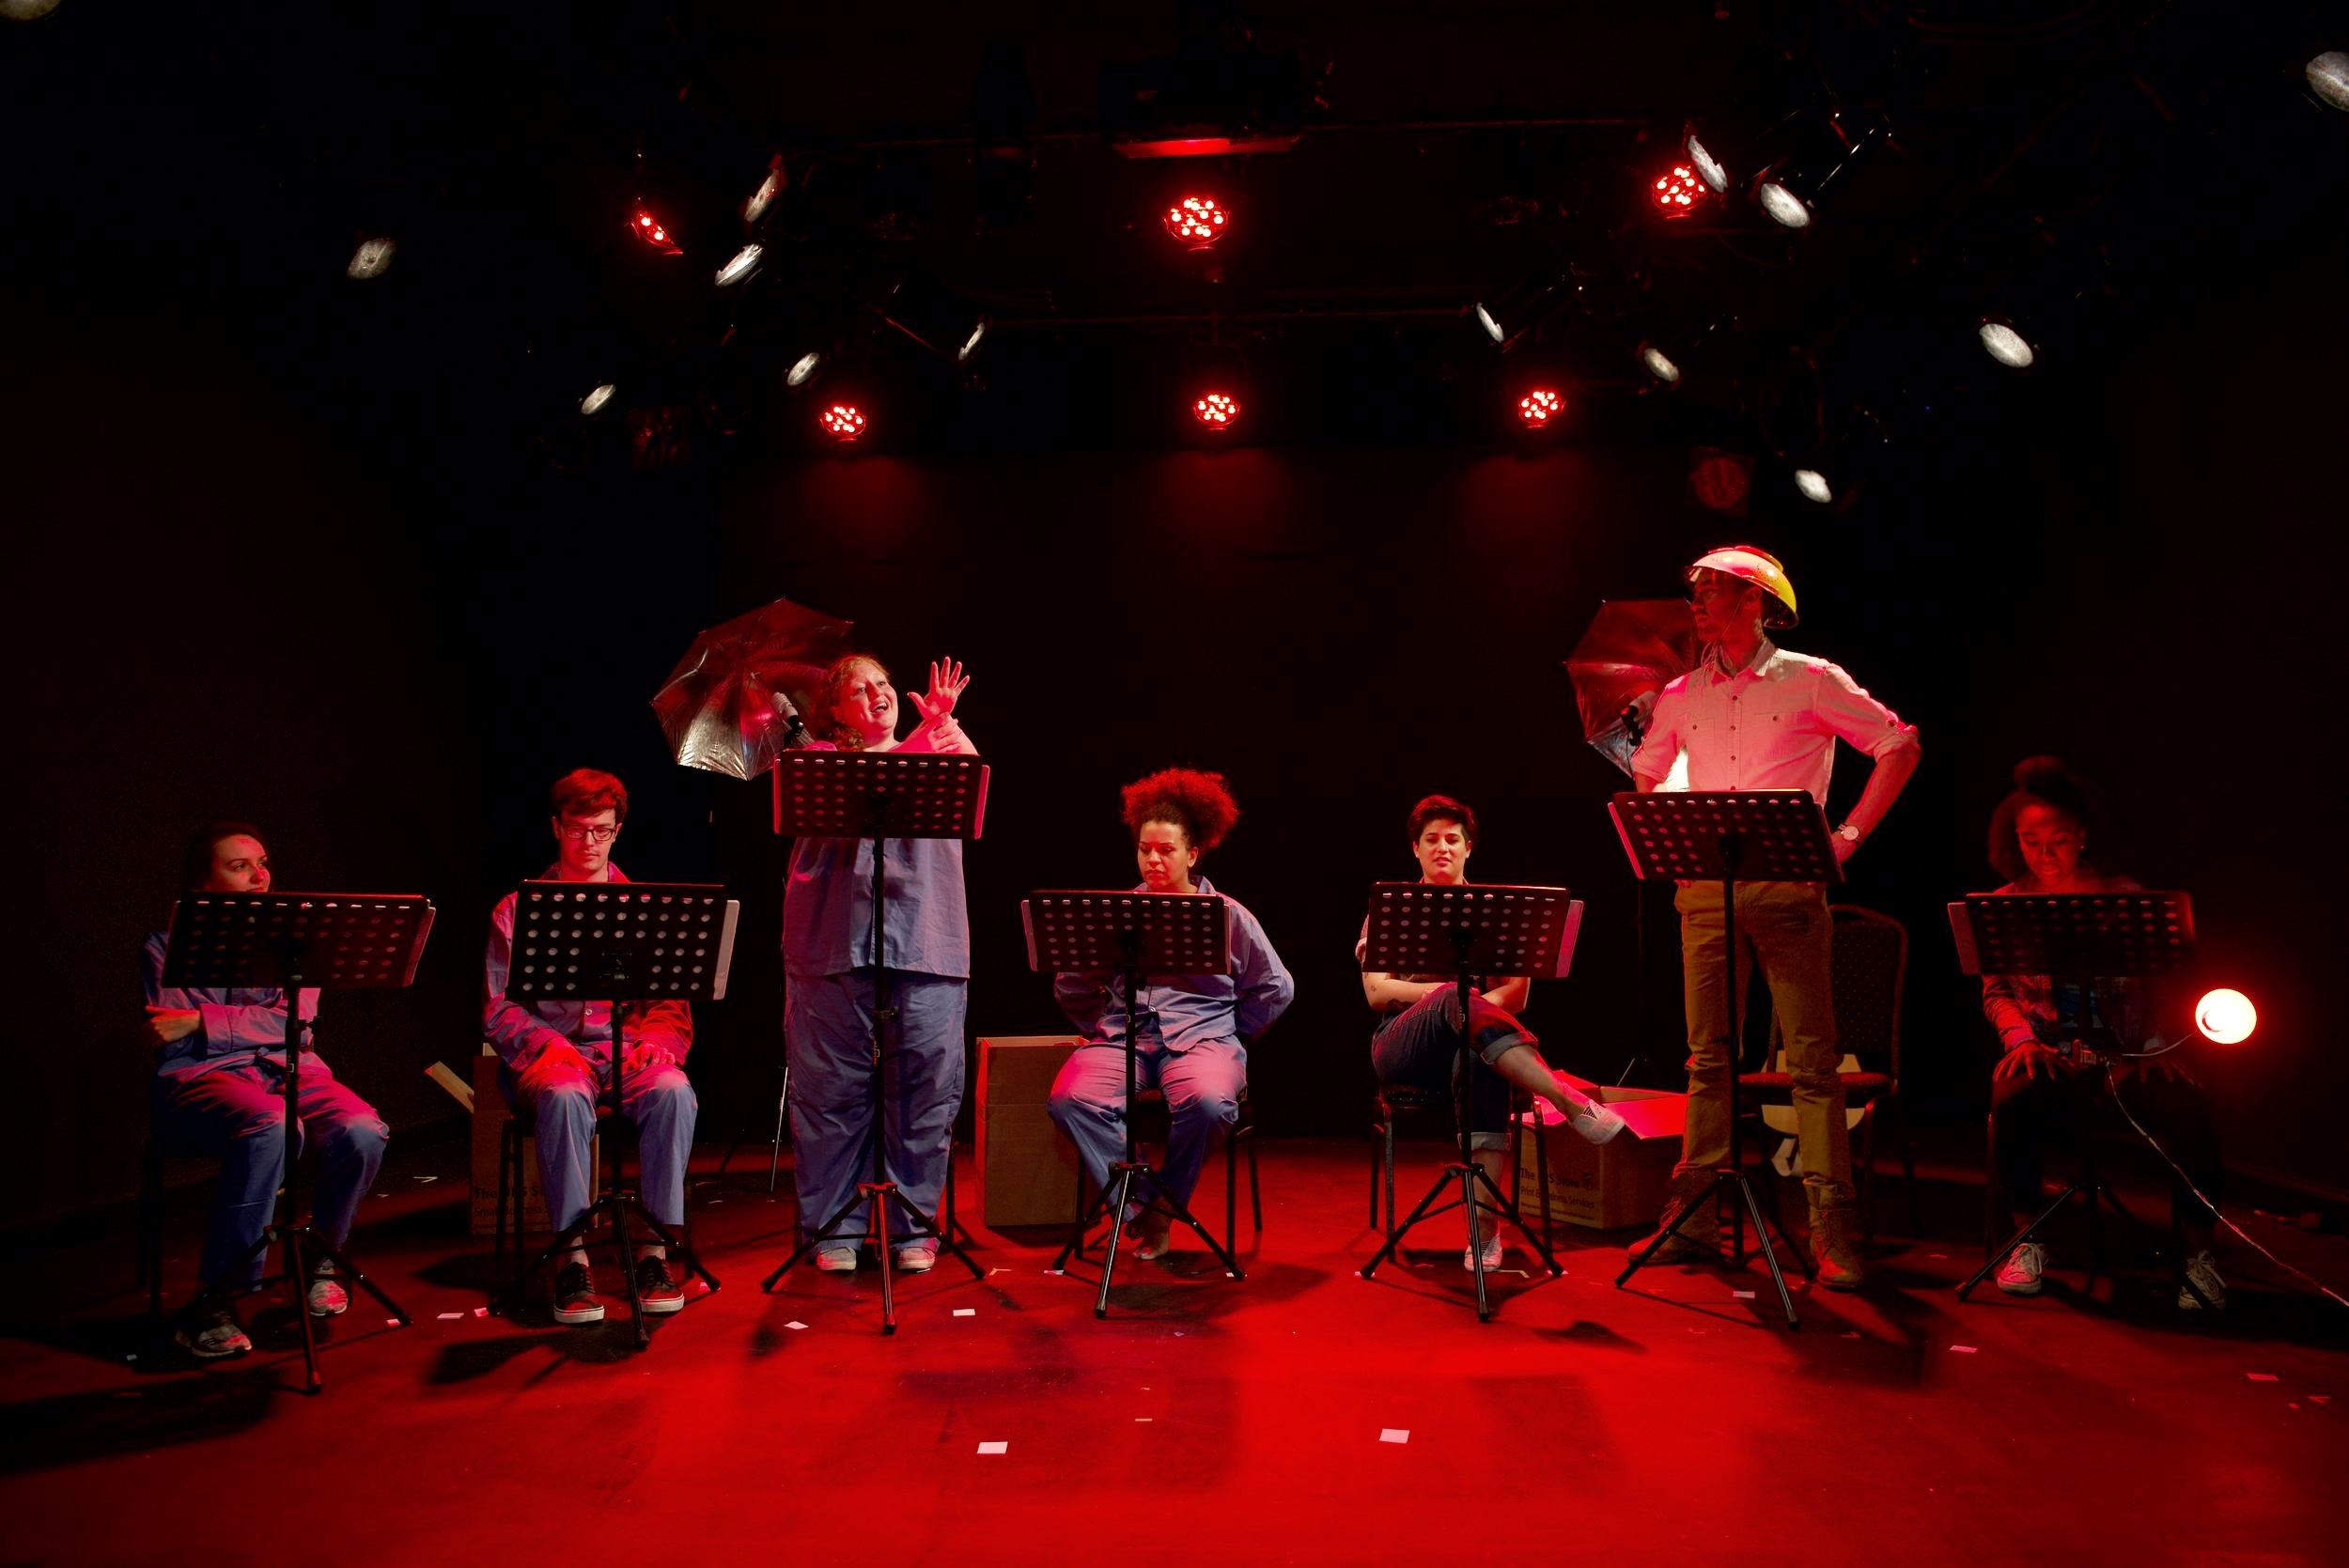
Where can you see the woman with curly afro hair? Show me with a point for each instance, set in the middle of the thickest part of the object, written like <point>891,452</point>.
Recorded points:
<point>2041,841</point>
<point>1188,1028</point>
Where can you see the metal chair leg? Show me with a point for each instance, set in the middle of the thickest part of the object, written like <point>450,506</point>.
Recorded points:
<point>1255,1190</point>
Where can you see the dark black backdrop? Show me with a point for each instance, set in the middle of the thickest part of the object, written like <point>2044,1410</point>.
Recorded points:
<point>218,603</point>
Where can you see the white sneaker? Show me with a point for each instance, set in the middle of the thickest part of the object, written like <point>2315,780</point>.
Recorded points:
<point>916,1258</point>
<point>1595,1122</point>
<point>327,1297</point>
<point>835,1260</point>
<point>2201,1269</point>
<point>2019,1274</point>
<point>1492,1254</point>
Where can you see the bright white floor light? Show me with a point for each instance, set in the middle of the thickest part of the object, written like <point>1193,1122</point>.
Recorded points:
<point>1813,486</point>
<point>2328,78</point>
<point>745,262</point>
<point>2007,346</point>
<point>372,260</point>
<point>597,400</point>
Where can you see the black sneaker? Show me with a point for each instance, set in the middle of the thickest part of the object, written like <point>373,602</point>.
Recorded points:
<point>659,1292</point>
<point>208,1330</point>
<point>575,1299</point>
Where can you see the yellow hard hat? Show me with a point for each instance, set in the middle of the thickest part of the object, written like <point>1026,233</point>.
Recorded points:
<point>1757,566</point>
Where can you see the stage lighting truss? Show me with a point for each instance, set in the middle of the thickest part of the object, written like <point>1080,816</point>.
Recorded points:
<point>1508,315</point>
<point>1541,407</point>
<point>372,260</point>
<point>1197,222</point>
<point>1216,410</point>
<point>841,420</point>
<point>650,232</point>
<point>1678,191</point>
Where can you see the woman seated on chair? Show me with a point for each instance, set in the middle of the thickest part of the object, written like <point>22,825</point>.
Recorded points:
<point>2039,841</point>
<point>220,1087</point>
<point>1419,1035</point>
<point>1189,1029</point>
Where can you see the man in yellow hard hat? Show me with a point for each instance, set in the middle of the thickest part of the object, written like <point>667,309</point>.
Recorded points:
<point>1753,715</point>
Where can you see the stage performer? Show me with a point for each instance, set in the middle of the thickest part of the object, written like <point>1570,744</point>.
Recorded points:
<point>1419,1035</point>
<point>1189,1039</point>
<point>220,1088</point>
<point>557,1068</point>
<point>829,977</point>
<point>1753,715</point>
<point>2039,841</point>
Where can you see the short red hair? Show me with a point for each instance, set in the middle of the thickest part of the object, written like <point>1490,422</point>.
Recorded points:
<point>1200,804</point>
<point>584,791</point>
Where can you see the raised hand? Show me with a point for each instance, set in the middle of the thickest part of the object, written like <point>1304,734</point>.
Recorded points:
<point>947,684</point>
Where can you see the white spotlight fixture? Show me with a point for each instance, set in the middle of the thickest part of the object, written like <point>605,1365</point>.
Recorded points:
<point>762,198</point>
<point>372,260</point>
<point>1709,167</point>
<point>1659,365</point>
<point>802,370</point>
<point>970,344</point>
<point>1782,206</point>
<point>593,403</point>
<point>2005,344</point>
<point>1814,487</point>
<point>2328,79</point>
<point>744,263</point>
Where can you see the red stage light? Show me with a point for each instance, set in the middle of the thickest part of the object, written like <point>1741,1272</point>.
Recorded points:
<point>1677,191</point>
<point>843,422</point>
<point>1217,411</point>
<point>652,231</point>
<point>1196,221</point>
<point>1540,406</point>
<point>2226,1018</point>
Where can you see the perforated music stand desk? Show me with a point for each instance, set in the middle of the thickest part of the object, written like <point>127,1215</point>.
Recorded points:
<point>879,796</point>
<point>1106,930</point>
<point>618,944</point>
<point>325,940</point>
<point>2075,939</point>
<point>1471,929</point>
<point>1727,836</point>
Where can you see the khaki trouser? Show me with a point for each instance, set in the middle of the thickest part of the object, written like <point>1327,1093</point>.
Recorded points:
<point>1784,927</point>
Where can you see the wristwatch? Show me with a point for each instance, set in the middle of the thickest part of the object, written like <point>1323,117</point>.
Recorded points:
<point>1849,835</point>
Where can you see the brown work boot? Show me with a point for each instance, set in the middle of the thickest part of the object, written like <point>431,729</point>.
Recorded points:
<point>1698,1241</point>
<point>1833,1258</point>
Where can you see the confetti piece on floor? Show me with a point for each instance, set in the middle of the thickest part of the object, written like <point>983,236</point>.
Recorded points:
<point>391,1323</point>
<point>2260,1376</point>
<point>1742,1294</point>
<point>1937,1254</point>
<point>992,1272</point>
<point>994,1447</point>
<point>1964,1349</point>
<point>966,1311</point>
<point>2320,1399</point>
<point>1394,1434</point>
<point>428,1178</point>
<point>1853,1335</point>
<point>481,1312</point>
<point>1142,1417</point>
<point>795,1324</point>
<point>445,1316</point>
<point>130,1358</point>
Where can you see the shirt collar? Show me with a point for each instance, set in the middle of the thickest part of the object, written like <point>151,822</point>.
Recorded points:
<point>1762,654</point>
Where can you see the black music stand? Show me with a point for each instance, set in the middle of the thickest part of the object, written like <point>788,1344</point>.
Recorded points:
<point>618,944</point>
<point>1423,927</point>
<point>879,796</point>
<point>2076,939</point>
<point>1134,934</point>
<point>329,942</point>
<point>1729,836</point>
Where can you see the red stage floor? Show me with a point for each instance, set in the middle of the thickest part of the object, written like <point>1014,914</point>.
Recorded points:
<point>1207,1420</point>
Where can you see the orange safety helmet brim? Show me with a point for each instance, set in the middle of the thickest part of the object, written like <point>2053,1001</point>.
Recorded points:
<point>1759,567</point>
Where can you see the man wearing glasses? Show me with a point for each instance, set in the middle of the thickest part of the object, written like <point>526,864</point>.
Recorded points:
<point>558,1066</point>
<point>1753,715</point>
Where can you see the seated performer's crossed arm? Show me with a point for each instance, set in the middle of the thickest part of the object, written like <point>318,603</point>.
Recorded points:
<point>558,1066</point>
<point>1420,1033</point>
<point>1189,1029</point>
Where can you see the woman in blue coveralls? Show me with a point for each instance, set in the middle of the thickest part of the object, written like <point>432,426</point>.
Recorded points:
<point>1189,1041</point>
<point>829,978</point>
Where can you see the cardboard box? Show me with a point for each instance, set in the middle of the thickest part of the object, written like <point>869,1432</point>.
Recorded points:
<point>1612,1185</point>
<point>1027,1166</point>
<point>489,1117</point>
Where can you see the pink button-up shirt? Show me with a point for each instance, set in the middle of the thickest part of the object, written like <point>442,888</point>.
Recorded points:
<point>1771,725</point>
